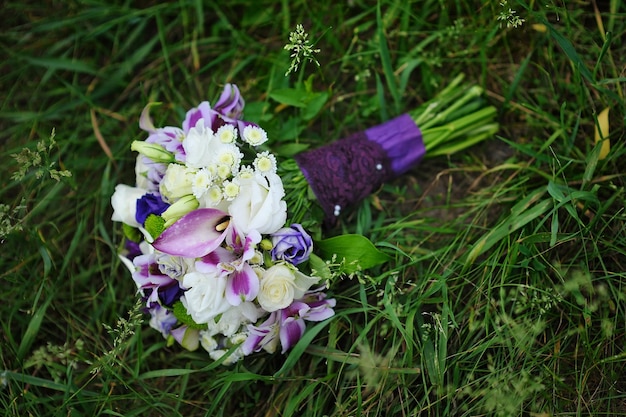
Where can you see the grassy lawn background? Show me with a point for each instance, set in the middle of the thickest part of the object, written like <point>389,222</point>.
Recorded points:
<point>506,294</point>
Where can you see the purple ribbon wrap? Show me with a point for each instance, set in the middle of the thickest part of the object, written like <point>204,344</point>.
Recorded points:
<point>344,172</point>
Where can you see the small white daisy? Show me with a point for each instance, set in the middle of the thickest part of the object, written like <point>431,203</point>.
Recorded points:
<point>254,135</point>
<point>226,134</point>
<point>214,196</point>
<point>231,189</point>
<point>265,163</point>
<point>202,181</point>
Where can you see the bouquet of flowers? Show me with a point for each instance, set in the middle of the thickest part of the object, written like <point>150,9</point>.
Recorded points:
<point>207,243</point>
<point>215,255</point>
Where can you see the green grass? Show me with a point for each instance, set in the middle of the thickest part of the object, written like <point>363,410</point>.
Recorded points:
<point>506,294</point>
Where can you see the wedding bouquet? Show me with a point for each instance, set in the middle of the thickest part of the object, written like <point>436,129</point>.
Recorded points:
<point>213,235</point>
<point>207,243</point>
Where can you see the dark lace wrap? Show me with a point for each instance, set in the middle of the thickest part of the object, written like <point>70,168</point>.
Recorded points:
<point>344,172</point>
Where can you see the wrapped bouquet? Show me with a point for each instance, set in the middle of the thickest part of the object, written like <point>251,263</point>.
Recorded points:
<point>213,235</point>
<point>207,243</point>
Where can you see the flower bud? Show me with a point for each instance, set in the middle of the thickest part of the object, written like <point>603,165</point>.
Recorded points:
<point>154,151</point>
<point>177,210</point>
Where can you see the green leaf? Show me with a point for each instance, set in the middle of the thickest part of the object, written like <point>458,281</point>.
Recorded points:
<point>355,251</point>
<point>155,225</point>
<point>526,210</point>
<point>290,97</point>
<point>32,330</point>
<point>131,233</point>
<point>180,312</point>
<point>314,105</point>
<point>311,102</point>
<point>320,267</point>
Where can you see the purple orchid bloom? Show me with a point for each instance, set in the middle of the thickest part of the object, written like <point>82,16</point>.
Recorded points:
<point>202,112</point>
<point>242,246</point>
<point>320,308</point>
<point>169,137</point>
<point>292,324</point>
<point>291,244</point>
<point>231,103</point>
<point>242,285</point>
<point>262,336</point>
<point>150,279</point>
<point>227,110</point>
<point>195,234</point>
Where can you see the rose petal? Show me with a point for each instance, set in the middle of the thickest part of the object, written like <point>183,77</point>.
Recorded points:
<point>194,235</point>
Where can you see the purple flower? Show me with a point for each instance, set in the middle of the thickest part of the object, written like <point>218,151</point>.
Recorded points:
<point>227,110</point>
<point>263,336</point>
<point>162,319</point>
<point>230,104</point>
<point>152,282</point>
<point>291,244</point>
<point>242,285</point>
<point>132,249</point>
<point>195,234</point>
<point>288,324</point>
<point>292,324</point>
<point>169,137</point>
<point>149,204</point>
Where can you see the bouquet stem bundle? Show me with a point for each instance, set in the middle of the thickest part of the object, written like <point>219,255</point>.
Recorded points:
<point>342,173</point>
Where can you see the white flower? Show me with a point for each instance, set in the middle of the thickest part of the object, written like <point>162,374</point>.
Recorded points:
<point>259,205</point>
<point>226,134</point>
<point>205,297</point>
<point>174,266</point>
<point>280,285</point>
<point>202,181</point>
<point>265,163</point>
<point>213,197</point>
<point>254,135</point>
<point>231,320</point>
<point>207,341</point>
<point>231,189</point>
<point>229,155</point>
<point>141,174</point>
<point>198,145</point>
<point>177,182</point>
<point>224,171</point>
<point>124,202</point>
<point>245,172</point>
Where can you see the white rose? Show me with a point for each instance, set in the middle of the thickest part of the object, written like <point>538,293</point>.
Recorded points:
<point>124,202</point>
<point>177,182</point>
<point>280,285</point>
<point>198,146</point>
<point>259,205</point>
<point>205,297</point>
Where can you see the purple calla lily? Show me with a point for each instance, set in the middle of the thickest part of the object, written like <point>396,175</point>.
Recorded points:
<point>195,234</point>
